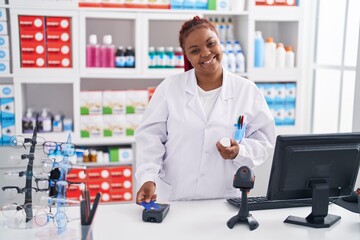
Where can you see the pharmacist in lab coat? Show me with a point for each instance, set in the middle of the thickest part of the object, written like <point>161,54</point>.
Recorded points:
<point>179,156</point>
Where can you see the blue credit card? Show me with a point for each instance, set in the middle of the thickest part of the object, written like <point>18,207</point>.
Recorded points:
<point>150,206</point>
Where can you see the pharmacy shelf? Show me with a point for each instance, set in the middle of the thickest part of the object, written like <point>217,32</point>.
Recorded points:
<point>282,13</point>
<point>104,141</point>
<point>142,22</point>
<point>275,74</point>
<point>109,164</point>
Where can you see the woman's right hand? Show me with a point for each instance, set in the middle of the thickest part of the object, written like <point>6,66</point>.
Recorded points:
<point>146,193</point>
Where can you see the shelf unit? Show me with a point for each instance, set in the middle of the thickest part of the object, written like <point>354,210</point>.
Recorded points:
<point>140,28</point>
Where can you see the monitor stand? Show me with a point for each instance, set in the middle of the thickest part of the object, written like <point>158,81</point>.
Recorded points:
<point>319,217</point>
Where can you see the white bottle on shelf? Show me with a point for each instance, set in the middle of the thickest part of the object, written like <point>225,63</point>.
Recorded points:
<point>289,57</point>
<point>231,61</point>
<point>236,46</point>
<point>269,53</point>
<point>280,56</point>
<point>240,61</point>
<point>225,60</point>
<point>230,30</point>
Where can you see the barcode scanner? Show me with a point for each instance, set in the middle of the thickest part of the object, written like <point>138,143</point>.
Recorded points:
<point>244,179</point>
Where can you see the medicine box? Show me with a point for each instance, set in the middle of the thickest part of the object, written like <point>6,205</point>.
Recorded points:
<point>276,2</point>
<point>132,122</point>
<point>6,91</point>
<point>7,109</point>
<point>3,16</point>
<point>91,103</point>
<point>3,28</point>
<point>136,101</point>
<point>114,102</point>
<point>4,41</point>
<point>4,67</point>
<point>8,130</point>
<point>91,126</point>
<point>290,92</point>
<point>114,125</point>
<point>279,92</point>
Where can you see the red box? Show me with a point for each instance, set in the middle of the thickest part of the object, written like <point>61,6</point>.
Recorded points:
<point>32,36</point>
<point>33,61</point>
<point>121,172</point>
<point>275,2</point>
<point>31,23</point>
<point>58,23</point>
<point>121,196</point>
<point>58,36</point>
<point>59,48</point>
<point>32,48</point>
<point>121,185</point>
<point>54,61</point>
<point>76,175</point>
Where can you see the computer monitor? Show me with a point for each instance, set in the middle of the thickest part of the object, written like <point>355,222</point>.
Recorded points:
<point>317,166</point>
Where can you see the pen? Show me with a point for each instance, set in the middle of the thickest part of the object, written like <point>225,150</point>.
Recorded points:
<point>242,121</point>
<point>239,122</point>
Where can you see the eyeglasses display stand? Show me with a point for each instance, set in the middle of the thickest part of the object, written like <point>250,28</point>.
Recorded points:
<point>28,215</point>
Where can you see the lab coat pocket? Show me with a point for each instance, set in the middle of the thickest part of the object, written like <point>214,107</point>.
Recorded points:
<point>163,190</point>
<point>239,133</point>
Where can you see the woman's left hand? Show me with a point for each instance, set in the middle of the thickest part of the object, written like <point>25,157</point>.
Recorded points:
<point>228,153</point>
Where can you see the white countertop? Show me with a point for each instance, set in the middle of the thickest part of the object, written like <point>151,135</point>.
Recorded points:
<point>193,220</point>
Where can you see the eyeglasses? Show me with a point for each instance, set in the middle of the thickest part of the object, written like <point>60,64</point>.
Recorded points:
<point>59,219</point>
<point>66,149</point>
<point>42,183</point>
<point>11,191</point>
<point>48,164</point>
<point>23,142</point>
<point>15,210</point>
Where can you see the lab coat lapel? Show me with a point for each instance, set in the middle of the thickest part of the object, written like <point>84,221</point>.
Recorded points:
<point>192,97</point>
<point>220,105</point>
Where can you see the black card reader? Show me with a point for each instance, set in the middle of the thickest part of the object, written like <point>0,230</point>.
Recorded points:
<point>156,215</point>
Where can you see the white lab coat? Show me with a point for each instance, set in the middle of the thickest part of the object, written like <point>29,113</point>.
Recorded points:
<point>176,143</point>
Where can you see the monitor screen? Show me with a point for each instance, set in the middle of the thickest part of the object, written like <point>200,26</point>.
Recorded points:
<point>317,166</point>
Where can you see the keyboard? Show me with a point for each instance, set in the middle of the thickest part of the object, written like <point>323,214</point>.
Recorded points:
<point>262,203</point>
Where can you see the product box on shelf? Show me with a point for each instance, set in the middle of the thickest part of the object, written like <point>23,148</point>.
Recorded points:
<point>121,154</point>
<point>61,24</point>
<point>114,125</point>
<point>31,23</point>
<point>136,101</point>
<point>4,41</point>
<point>4,54</point>
<point>3,28</point>
<point>114,102</point>
<point>3,16</point>
<point>7,107</point>
<point>111,3</point>
<point>91,126</point>
<point>6,91</point>
<point>90,3</point>
<point>8,130</point>
<point>90,102</point>
<point>132,122</point>
<point>4,67</point>
<point>275,2</point>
